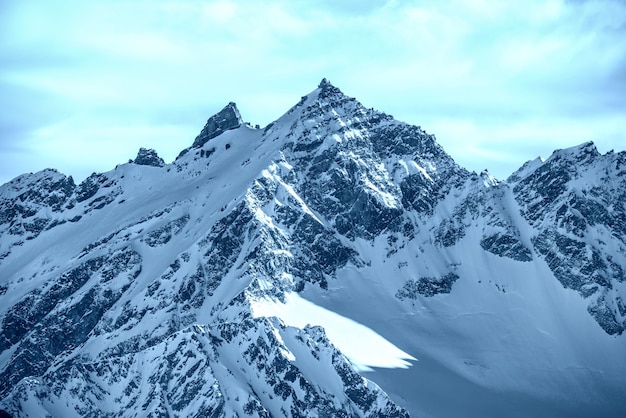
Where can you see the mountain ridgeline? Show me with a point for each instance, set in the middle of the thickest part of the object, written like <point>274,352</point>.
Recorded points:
<point>138,291</point>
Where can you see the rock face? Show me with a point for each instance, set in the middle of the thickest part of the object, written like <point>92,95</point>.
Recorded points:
<point>576,200</point>
<point>138,290</point>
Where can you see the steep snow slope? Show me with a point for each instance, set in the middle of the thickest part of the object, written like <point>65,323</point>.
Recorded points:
<point>154,288</point>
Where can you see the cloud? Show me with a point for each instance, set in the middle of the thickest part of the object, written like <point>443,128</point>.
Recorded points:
<point>476,73</point>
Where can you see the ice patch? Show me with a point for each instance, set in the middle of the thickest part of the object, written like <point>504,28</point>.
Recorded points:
<point>363,347</point>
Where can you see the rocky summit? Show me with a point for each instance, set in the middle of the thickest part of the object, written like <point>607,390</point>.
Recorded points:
<point>337,263</point>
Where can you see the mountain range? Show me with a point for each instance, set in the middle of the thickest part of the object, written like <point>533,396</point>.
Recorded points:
<point>336,263</point>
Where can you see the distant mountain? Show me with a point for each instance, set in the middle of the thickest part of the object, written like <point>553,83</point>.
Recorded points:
<point>282,271</point>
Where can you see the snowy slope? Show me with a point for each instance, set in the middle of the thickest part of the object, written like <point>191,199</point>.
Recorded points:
<point>262,270</point>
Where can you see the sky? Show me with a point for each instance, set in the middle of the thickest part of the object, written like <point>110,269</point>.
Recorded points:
<point>84,84</point>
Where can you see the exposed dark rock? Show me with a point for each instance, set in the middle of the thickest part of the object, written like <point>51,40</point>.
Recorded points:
<point>90,186</point>
<point>506,246</point>
<point>148,157</point>
<point>427,286</point>
<point>226,119</point>
<point>163,235</point>
<point>46,322</point>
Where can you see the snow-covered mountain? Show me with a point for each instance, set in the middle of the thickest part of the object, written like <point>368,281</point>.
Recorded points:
<point>282,271</point>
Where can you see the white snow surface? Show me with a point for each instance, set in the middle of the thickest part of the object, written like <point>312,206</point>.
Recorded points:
<point>364,347</point>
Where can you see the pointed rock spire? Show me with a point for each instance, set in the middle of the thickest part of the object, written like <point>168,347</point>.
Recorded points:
<point>488,179</point>
<point>226,119</point>
<point>327,89</point>
<point>148,157</point>
<point>324,83</point>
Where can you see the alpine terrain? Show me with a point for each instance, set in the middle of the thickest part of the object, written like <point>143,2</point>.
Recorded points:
<point>337,263</point>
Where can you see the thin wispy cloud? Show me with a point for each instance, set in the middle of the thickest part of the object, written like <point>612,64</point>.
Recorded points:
<point>85,84</point>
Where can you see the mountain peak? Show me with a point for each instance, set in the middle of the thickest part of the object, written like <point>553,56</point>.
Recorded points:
<point>585,148</point>
<point>226,119</point>
<point>324,83</point>
<point>583,153</point>
<point>183,290</point>
<point>327,89</point>
<point>488,179</point>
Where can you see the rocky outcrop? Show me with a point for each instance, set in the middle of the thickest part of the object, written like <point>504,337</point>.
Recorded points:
<point>226,119</point>
<point>148,157</point>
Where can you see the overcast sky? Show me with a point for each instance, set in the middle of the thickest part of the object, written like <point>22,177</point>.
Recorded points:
<point>84,84</point>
